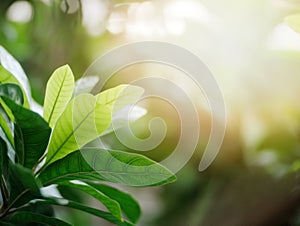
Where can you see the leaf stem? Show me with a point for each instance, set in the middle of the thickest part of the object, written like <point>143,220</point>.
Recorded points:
<point>5,210</point>
<point>38,162</point>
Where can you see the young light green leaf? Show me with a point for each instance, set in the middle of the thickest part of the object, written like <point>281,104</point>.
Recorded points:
<point>110,204</point>
<point>118,97</point>
<point>85,84</point>
<point>113,166</point>
<point>26,218</point>
<point>128,204</point>
<point>293,21</point>
<point>59,92</point>
<point>7,77</point>
<point>99,213</point>
<point>31,134</point>
<point>82,121</point>
<point>124,117</point>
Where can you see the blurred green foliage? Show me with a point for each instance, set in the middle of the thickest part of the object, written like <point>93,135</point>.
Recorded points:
<point>254,180</point>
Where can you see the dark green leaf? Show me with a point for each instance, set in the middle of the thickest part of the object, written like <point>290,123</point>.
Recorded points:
<point>127,168</point>
<point>99,213</point>
<point>71,167</point>
<point>114,166</point>
<point>3,172</point>
<point>5,125</point>
<point>3,223</point>
<point>31,134</point>
<point>109,203</point>
<point>128,204</point>
<point>13,92</point>
<point>27,218</point>
<point>7,77</point>
<point>23,186</point>
<point>14,67</point>
<point>70,193</point>
<point>44,209</point>
<point>3,157</point>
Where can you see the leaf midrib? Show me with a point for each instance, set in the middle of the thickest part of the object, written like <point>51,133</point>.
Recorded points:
<point>68,137</point>
<point>97,172</point>
<point>56,98</point>
<point>116,97</point>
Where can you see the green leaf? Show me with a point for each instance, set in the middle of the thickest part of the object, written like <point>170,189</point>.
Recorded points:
<point>4,172</point>
<point>3,154</point>
<point>59,92</point>
<point>85,84</point>
<point>4,160</point>
<point>114,166</point>
<point>6,129</point>
<point>26,218</point>
<point>72,167</point>
<point>22,184</point>
<point>118,97</point>
<point>7,77</point>
<point>13,92</point>
<point>3,223</point>
<point>127,168</point>
<point>128,204</point>
<point>82,121</point>
<point>13,66</point>
<point>109,203</point>
<point>99,213</point>
<point>31,134</point>
<point>293,21</point>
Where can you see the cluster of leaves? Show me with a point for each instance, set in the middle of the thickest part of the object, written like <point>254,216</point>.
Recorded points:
<point>40,151</point>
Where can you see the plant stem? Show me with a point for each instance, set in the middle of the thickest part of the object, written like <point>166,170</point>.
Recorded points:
<point>38,162</point>
<point>42,168</point>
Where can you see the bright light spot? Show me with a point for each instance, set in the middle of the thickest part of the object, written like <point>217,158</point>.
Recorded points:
<point>284,38</point>
<point>20,12</point>
<point>153,19</point>
<point>50,191</point>
<point>93,16</point>
<point>70,6</point>
<point>47,2</point>
<point>116,22</point>
<point>252,129</point>
<point>174,25</point>
<point>85,84</point>
<point>266,157</point>
<point>141,19</point>
<point>177,13</point>
<point>62,201</point>
<point>77,182</point>
<point>191,10</point>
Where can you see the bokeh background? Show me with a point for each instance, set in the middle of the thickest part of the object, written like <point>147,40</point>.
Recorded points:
<point>255,58</point>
